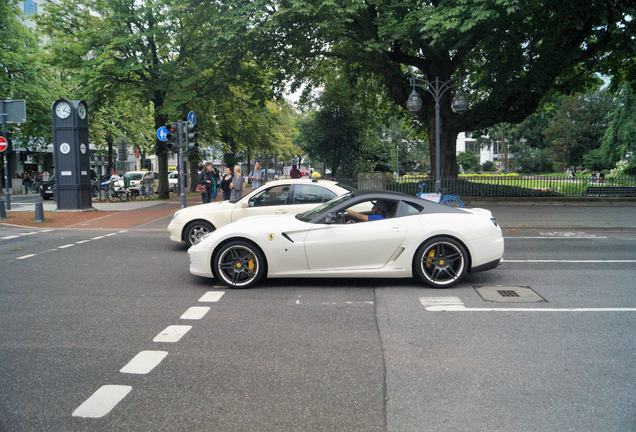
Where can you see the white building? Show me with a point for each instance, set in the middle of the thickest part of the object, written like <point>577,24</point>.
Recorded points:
<point>466,142</point>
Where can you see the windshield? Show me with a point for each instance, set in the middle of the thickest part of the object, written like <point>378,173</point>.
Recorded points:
<point>133,176</point>
<point>322,209</point>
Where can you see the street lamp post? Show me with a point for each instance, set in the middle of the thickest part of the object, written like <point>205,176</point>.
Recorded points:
<point>437,89</point>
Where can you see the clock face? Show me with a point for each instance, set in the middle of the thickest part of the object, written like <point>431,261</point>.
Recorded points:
<point>63,110</point>
<point>81,111</point>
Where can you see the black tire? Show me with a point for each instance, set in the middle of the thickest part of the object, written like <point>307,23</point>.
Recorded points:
<point>441,262</point>
<point>195,230</point>
<point>238,264</point>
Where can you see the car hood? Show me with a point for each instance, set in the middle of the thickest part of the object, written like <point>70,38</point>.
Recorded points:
<point>204,209</point>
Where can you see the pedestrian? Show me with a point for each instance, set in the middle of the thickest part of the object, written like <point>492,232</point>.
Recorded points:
<point>295,172</point>
<point>26,181</point>
<point>225,183</point>
<point>148,180</point>
<point>208,181</point>
<point>237,184</point>
<point>257,176</point>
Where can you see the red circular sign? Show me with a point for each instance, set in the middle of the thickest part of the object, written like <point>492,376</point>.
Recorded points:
<point>3,144</point>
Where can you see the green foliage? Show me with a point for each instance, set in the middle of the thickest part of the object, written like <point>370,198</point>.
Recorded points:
<point>513,54</point>
<point>619,139</point>
<point>488,166</point>
<point>534,160</point>
<point>468,160</point>
<point>23,75</point>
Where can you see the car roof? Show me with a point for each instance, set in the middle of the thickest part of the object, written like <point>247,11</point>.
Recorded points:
<point>300,181</point>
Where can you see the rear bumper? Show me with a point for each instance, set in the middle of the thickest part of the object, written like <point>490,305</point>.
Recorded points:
<point>487,266</point>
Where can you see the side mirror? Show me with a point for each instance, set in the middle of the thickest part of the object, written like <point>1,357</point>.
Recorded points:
<point>245,205</point>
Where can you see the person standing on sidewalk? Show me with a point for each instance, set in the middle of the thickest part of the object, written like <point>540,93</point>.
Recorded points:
<point>237,184</point>
<point>295,172</point>
<point>26,182</point>
<point>257,176</point>
<point>208,180</point>
<point>226,181</point>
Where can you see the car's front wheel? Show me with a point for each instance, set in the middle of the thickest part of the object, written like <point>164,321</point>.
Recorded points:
<point>195,231</point>
<point>441,262</point>
<point>238,264</point>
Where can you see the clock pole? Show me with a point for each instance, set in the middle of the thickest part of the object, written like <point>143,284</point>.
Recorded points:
<point>72,159</point>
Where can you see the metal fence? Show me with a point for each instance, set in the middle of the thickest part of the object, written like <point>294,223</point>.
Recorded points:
<point>502,186</point>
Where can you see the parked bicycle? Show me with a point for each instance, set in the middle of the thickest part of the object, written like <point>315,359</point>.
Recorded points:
<point>115,191</point>
<point>449,200</point>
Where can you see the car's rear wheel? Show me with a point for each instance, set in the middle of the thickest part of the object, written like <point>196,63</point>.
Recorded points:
<point>195,231</point>
<point>441,262</point>
<point>238,264</point>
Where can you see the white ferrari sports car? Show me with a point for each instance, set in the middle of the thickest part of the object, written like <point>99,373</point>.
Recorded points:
<point>188,225</point>
<point>360,234</point>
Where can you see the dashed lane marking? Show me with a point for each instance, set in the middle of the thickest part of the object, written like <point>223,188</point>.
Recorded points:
<point>172,333</point>
<point>109,235</point>
<point>66,246</point>
<point>26,256</point>
<point>212,296</point>
<point>10,237</point>
<point>98,237</point>
<point>82,241</point>
<point>195,313</point>
<point>144,362</point>
<point>102,401</point>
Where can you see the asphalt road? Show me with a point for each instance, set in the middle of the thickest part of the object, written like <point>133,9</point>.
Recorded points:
<point>322,355</point>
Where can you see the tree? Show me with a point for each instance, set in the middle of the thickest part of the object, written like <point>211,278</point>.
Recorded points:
<point>511,53</point>
<point>619,139</point>
<point>23,75</point>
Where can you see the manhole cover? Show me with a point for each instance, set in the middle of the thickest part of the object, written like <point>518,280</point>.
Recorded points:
<point>507,294</point>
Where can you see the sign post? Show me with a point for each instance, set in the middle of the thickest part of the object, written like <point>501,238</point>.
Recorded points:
<point>11,111</point>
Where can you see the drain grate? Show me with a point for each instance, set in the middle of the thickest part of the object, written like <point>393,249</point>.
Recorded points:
<point>506,294</point>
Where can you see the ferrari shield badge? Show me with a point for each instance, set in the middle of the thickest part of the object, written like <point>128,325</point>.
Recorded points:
<point>270,236</point>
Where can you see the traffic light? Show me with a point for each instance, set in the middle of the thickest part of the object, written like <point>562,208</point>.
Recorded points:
<point>191,136</point>
<point>171,144</point>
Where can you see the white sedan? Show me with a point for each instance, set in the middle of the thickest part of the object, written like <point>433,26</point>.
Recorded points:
<point>361,234</point>
<point>190,224</point>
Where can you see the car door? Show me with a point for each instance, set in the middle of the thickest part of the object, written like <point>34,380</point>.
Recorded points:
<point>353,246</point>
<point>270,201</point>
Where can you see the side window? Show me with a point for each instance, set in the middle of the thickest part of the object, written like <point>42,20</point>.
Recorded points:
<point>407,209</point>
<point>273,196</point>
<point>311,194</point>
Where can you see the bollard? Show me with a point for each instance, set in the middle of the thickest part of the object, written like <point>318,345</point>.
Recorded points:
<point>7,201</point>
<point>3,210</point>
<point>39,211</point>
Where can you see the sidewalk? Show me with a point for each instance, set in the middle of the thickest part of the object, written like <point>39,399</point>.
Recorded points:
<point>510,215</point>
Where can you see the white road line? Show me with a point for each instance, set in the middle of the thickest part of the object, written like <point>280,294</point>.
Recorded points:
<point>10,237</point>
<point>102,401</point>
<point>437,301</point>
<point>29,233</point>
<point>557,238</point>
<point>195,312</point>
<point>455,304</point>
<point>144,362</point>
<point>26,256</point>
<point>172,333</point>
<point>124,231</point>
<point>567,261</point>
<point>462,308</point>
<point>82,241</point>
<point>212,296</point>
<point>98,238</point>
<point>46,230</point>
<point>109,235</point>
<point>66,246</point>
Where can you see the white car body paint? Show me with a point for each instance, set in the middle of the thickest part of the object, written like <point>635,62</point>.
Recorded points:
<point>221,213</point>
<point>383,248</point>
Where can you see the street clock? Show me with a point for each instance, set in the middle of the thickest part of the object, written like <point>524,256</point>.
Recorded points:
<point>72,159</point>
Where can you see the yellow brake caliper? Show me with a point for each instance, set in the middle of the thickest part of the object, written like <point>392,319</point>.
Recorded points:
<point>251,264</point>
<point>429,258</point>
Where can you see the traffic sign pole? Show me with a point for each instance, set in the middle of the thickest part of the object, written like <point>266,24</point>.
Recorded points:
<point>5,158</point>
<point>182,195</point>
